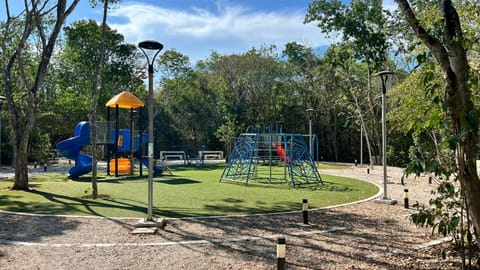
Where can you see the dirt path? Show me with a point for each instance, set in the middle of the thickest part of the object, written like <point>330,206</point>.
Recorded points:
<point>357,236</point>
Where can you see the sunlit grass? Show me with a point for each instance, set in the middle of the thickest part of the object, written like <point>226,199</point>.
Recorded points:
<point>328,166</point>
<point>189,192</point>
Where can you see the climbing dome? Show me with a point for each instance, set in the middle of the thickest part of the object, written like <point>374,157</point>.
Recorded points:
<point>269,157</point>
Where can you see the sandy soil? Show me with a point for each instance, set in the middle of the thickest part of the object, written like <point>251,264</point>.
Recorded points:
<point>366,235</point>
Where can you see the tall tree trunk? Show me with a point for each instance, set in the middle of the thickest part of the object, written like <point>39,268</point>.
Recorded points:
<point>20,155</point>
<point>22,114</point>
<point>451,55</point>
<point>376,136</point>
<point>96,90</point>
<point>333,127</point>
<point>367,140</point>
<point>362,122</point>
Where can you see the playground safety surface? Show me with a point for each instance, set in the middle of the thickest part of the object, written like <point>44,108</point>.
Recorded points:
<point>365,235</point>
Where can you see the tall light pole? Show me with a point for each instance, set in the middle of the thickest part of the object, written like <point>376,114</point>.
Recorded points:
<point>150,49</point>
<point>310,114</point>
<point>1,99</point>
<point>361,144</point>
<point>386,78</point>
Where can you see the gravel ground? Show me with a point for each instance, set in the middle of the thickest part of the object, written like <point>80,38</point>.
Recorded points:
<point>366,235</point>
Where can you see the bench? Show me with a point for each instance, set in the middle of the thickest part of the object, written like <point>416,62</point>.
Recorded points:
<point>169,156</point>
<point>165,155</point>
<point>211,154</point>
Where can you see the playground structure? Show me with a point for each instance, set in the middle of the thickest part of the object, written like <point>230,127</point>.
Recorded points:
<point>271,156</point>
<point>70,148</point>
<point>124,143</point>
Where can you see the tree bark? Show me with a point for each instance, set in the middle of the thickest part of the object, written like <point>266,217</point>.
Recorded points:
<point>452,58</point>
<point>20,159</point>
<point>22,114</point>
<point>96,90</point>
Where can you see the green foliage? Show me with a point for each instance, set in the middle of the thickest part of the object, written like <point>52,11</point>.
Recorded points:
<point>444,213</point>
<point>445,216</point>
<point>227,132</point>
<point>417,110</point>
<point>362,25</point>
<point>69,95</point>
<point>362,22</point>
<point>355,101</point>
<point>449,123</point>
<point>173,64</point>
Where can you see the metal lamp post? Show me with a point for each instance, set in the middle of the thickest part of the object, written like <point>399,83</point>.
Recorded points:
<point>150,49</point>
<point>310,112</point>
<point>361,145</point>
<point>1,98</point>
<point>386,77</point>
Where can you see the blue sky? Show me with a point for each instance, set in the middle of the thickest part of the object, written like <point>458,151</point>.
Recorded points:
<point>198,27</point>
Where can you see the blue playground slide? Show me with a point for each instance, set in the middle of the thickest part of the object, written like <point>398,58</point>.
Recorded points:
<point>70,148</point>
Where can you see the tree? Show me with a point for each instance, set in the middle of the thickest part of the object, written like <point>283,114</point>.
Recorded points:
<point>315,81</point>
<point>42,22</point>
<point>418,114</point>
<point>362,25</point>
<point>78,61</point>
<point>449,47</point>
<point>359,21</point>
<point>354,91</point>
<point>187,100</point>
<point>247,86</point>
<point>174,65</point>
<point>84,81</point>
<point>96,90</point>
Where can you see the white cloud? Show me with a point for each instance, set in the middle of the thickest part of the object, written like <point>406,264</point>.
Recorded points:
<point>390,5</point>
<point>229,29</point>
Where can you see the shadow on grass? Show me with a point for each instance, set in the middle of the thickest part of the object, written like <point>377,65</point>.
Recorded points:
<point>326,186</point>
<point>178,181</point>
<point>205,167</point>
<point>330,186</point>
<point>121,204</point>
<point>111,179</point>
<point>62,205</point>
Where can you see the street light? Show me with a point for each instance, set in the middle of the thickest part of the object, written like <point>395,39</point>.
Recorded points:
<point>386,77</point>
<point>310,113</point>
<point>361,144</point>
<point>150,49</point>
<point>1,98</point>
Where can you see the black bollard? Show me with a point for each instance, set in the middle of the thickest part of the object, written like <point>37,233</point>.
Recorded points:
<point>368,170</point>
<point>35,165</point>
<point>406,198</point>
<point>430,180</point>
<point>281,252</point>
<point>305,211</point>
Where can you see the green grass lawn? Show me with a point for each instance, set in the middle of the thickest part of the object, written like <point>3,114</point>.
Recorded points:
<point>329,166</point>
<point>189,192</point>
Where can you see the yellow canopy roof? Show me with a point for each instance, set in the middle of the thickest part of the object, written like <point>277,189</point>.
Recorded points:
<point>125,100</point>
